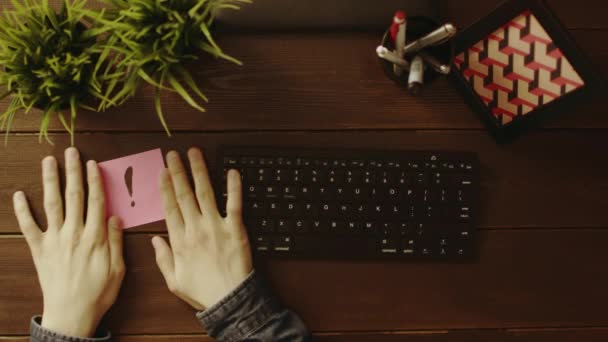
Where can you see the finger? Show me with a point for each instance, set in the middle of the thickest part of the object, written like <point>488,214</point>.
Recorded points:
<point>74,193</point>
<point>202,184</point>
<point>234,203</point>
<point>96,207</point>
<point>164,260</point>
<point>26,221</point>
<point>115,241</point>
<point>181,186</point>
<point>173,215</point>
<point>53,204</point>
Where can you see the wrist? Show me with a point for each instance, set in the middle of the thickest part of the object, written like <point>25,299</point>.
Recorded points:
<point>77,325</point>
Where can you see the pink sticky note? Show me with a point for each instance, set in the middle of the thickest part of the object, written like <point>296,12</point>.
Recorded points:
<point>131,187</point>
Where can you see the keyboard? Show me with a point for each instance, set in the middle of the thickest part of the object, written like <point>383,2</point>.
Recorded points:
<point>356,204</point>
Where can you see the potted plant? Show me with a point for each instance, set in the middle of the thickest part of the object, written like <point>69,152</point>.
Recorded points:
<point>151,40</point>
<point>47,61</point>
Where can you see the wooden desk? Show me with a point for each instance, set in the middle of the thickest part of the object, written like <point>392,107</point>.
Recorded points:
<point>541,275</point>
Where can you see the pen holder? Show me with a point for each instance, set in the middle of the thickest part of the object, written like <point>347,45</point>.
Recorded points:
<point>417,27</point>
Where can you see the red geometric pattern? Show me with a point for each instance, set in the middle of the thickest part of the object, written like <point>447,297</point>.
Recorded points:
<point>517,68</point>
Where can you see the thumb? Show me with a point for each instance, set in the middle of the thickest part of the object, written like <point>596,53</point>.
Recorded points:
<point>115,243</point>
<point>164,260</point>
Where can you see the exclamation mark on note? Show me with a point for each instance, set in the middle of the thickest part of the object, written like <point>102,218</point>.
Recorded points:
<point>129,183</point>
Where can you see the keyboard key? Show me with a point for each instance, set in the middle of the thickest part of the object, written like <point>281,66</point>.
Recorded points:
<point>292,209</point>
<point>274,209</point>
<point>361,210</point>
<point>263,226</point>
<point>301,226</point>
<point>327,209</point>
<point>296,177</point>
<point>270,191</point>
<point>409,246</point>
<point>255,209</point>
<point>252,191</point>
<point>389,229</point>
<point>231,161</point>
<point>285,226</point>
<point>310,209</point>
<point>282,244</point>
<point>288,192</point>
<point>305,192</point>
<point>420,179</point>
<point>371,228</point>
<point>337,227</point>
<point>352,176</point>
<point>345,210</point>
<point>318,226</point>
<point>388,245</point>
<point>261,244</point>
<point>354,227</point>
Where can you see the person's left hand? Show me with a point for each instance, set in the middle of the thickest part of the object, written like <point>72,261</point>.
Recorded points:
<point>80,265</point>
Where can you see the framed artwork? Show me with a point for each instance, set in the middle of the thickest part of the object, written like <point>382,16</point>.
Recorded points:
<point>519,65</point>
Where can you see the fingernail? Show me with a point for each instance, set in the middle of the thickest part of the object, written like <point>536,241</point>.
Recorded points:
<point>115,222</point>
<point>72,152</point>
<point>91,164</point>
<point>154,242</point>
<point>164,173</point>
<point>19,195</point>
<point>49,161</point>
<point>193,150</point>
<point>172,155</point>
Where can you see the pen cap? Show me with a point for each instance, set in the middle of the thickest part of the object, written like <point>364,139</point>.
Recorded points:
<point>417,27</point>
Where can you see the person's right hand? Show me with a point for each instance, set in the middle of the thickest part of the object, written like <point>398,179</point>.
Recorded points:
<point>209,255</point>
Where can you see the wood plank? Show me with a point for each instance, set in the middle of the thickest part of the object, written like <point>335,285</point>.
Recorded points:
<point>583,14</point>
<point>286,84</point>
<point>545,179</point>
<point>281,14</point>
<point>533,335</point>
<point>509,335</point>
<point>524,278</point>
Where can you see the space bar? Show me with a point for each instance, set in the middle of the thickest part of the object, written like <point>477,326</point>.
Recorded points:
<point>328,246</point>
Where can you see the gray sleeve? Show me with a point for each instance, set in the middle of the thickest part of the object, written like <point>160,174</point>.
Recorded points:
<point>251,313</point>
<point>40,334</point>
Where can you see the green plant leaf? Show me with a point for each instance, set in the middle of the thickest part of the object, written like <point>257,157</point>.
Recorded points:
<point>158,105</point>
<point>190,82</point>
<point>149,79</point>
<point>6,119</point>
<point>183,93</point>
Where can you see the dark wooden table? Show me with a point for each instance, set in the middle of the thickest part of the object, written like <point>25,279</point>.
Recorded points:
<point>541,275</point>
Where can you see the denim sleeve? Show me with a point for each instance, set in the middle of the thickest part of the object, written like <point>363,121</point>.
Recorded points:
<point>40,334</point>
<point>251,313</point>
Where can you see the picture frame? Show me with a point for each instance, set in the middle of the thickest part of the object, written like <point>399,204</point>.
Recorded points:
<point>519,65</point>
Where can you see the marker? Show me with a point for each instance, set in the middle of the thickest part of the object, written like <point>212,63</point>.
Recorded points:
<point>398,32</point>
<point>416,77</point>
<point>392,57</point>
<point>434,63</point>
<point>439,36</point>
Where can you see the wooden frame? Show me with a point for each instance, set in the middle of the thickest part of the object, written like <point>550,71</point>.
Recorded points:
<point>477,39</point>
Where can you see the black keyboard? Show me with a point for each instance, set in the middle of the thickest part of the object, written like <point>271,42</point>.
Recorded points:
<point>356,204</point>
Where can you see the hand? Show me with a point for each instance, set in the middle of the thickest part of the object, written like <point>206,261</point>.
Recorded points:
<point>80,265</point>
<point>209,254</point>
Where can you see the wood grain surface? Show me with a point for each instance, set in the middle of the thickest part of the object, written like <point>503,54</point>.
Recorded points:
<point>495,335</point>
<point>541,274</point>
<point>523,278</point>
